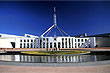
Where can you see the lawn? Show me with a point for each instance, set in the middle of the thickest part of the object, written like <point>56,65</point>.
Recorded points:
<point>54,52</point>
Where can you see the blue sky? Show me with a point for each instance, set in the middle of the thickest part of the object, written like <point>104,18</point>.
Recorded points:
<point>74,17</point>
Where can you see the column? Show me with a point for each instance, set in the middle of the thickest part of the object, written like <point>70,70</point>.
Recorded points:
<point>42,42</point>
<point>56,44</point>
<point>61,43</point>
<point>45,42</point>
<point>67,42</point>
<point>93,42</point>
<point>29,43</point>
<point>36,43</point>
<point>33,43</point>
<point>39,43</point>
<point>81,43</point>
<point>71,42</point>
<point>25,43</point>
<point>53,43</point>
<point>22,44</point>
<point>76,43</point>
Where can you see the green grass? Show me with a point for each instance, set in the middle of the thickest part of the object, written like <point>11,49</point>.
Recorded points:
<point>54,52</point>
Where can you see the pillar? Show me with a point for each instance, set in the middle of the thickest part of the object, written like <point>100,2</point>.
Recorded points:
<point>42,42</point>
<point>73,42</point>
<point>33,43</point>
<point>25,43</point>
<point>88,43</point>
<point>68,43</point>
<point>57,44</point>
<point>53,43</point>
<point>76,43</point>
<point>93,42</point>
<point>61,43</point>
<point>39,43</point>
<point>45,42</point>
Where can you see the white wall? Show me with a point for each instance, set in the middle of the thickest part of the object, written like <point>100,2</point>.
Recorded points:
<point>6,43</point>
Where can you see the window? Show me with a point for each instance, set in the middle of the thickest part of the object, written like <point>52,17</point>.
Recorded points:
<point>81,40</point>
<point>55,39</point>
<point>34,45</point>
<point>43,39</point>
<point>40,43</point>
<point>72,43</point>
<point>78,40</point>
<point>47,44</point>
<point>31,40</point>
<point>69,43</point>
<point>82,45</point>
<point>24,45</point>
<point>47,39</point>
<point>13,44</point>
<point>20,45</point>
<point>20,40</point>
<point>27,40</point>
<point>62,39</point>
<point>50,45</point>
<point>66,42</point>
<point>58,44</point>
<point>54,45</point>
<point>89,40</point>
<point>35,40</point>
<point>62,42</point>
<point>85,40</point>
<point>24,40</point>
<point>78,45</point>
<point>27,45</point>
<point>75,45</point>
<point>31,45</point>
<point>43,44</point>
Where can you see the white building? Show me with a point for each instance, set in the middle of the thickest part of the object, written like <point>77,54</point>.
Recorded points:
<point>66,42</point>
<point>13,41</point>
<point>31,41</point>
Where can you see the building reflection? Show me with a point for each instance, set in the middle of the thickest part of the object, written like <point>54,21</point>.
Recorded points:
<point>54,59</point>
<point>57,59</point>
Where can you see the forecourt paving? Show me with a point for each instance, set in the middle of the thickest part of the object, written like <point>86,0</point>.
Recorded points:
<point>88,67</point>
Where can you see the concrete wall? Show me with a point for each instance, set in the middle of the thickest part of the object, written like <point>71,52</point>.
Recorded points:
<point>103,41</point>
<point>6,43</point>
